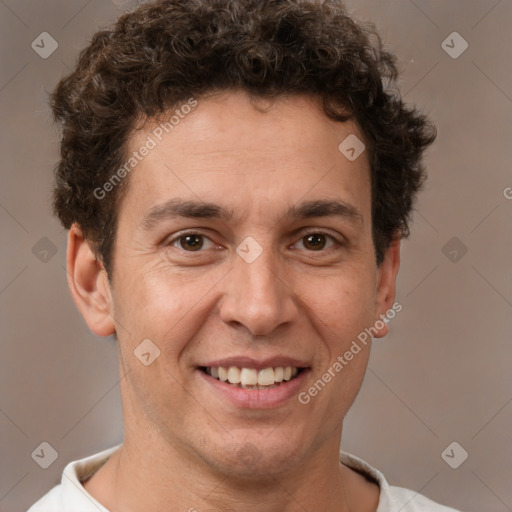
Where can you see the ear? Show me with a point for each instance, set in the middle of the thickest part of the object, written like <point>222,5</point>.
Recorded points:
<point>88,282</point>
<point>386,286</point>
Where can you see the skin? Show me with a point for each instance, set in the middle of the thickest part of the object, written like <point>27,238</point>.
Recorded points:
<point>182,441</point>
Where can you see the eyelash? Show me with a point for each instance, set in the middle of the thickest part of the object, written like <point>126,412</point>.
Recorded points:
<point>336,243</point>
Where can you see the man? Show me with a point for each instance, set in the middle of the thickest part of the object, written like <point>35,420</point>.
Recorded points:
<point>236,177</point>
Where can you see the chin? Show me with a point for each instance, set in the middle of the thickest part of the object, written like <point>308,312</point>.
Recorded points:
<point>259,457</point>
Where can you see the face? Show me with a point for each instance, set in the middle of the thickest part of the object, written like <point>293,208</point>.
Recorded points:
<point>245,241</point>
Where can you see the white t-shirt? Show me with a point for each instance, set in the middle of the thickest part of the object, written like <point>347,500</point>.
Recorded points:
<point>70,496</point>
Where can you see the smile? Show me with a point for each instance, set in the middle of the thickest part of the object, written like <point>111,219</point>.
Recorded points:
<point>250,378</point>
<point>265,387</point>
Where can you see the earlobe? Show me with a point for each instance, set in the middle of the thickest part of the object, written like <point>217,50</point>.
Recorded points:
<point>386,285</point>
<point>88,282</point>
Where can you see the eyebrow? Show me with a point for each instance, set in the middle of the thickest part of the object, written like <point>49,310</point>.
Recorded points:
<point>204,210</point>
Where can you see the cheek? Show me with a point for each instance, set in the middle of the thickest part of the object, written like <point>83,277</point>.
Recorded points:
<point>168,310</point>
<point>340,310</point>
<point>163,305</point>
<point>341,304</point>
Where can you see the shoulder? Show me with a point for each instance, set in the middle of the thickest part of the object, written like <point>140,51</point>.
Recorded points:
<point>70,495</point>
<point>50,502</point>
<point>392,498</point>
<point>64,499</point>
<point>410,501</point>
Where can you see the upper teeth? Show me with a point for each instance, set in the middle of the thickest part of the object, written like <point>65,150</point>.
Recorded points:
<point>252,377</point>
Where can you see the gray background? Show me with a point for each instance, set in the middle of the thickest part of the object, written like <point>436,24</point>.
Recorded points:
<point>443,373</point>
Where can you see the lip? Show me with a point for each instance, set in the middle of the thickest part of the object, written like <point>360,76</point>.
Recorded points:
<point>257,364</point>
<point>255,398</point>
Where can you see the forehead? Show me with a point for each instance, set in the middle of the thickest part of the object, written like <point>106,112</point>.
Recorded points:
<point>244,153</point>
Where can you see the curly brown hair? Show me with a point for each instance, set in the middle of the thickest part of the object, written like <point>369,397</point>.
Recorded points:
<point>163,53</point>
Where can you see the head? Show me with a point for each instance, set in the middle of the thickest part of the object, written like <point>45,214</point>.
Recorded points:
<point>261,224</point>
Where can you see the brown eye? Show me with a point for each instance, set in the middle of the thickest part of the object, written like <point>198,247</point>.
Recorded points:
<point>191,242</point>
<point>314,241</point>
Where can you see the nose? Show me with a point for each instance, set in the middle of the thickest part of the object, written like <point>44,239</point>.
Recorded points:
<point>258,295</point>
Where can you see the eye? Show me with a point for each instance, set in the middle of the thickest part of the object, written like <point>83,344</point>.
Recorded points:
<point>191,242</point>
<point>318,241</point>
